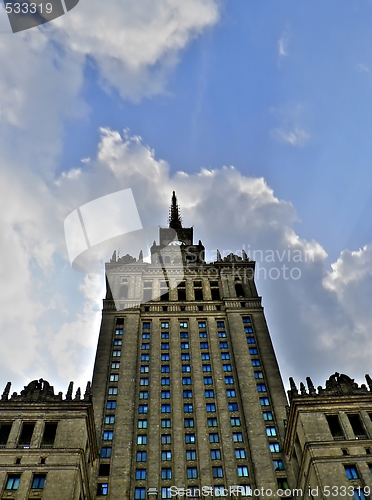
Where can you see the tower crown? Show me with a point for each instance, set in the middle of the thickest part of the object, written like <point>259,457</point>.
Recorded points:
<point>175,219</point>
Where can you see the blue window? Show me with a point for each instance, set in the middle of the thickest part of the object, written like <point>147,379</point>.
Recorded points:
<point>210,407</point>
<point>189,438</point>
<point>166,456</point>
<point>186,368</point>
<point>253,351</point>
<point>166,473</point>
<point>248,329</point>
<point>209,393</point>
<point>106,452</point>
<point>203,335</point>
<point>166,439</point>
<point>240,453</point>
<point>111,405</point>
<point>192,472</point>
<point>242,471</point>
<point>109,419</point>
<point>145,357</point>
<point>166,493</point>
<point>165,335</point>
<point>208,381</point>
<point>190,454</point>
<point>165,368</point>
<point>270,431</point>
<point>145,346</point>
<point>267,415</point>
<point>13,482</point>
<point>256,362</point>
<point>144,381</point>
<point>187,394</point>
<point>184,345</point>
<point>165,357</point>
<point>115,365</point>
<point>188,408</point>
<point>258,374</point>
<point>212,422</point>
<point>108,435</point>
<point>142,439</point>
<point>278,465</point>
<point>113,390</point>
<point>227,368</point>
<point>165,345</point>
<point>251,340</point>
<point>217,472</point>
<point>207,368</point>
<point>359,494</point>
<point>188,422</point>
<point>143,408</point>
<point>246,319</point>
<point>140,474</point>
<point>144,395</point>
<point>225,355</point>
<point>223,345</point>
<point>38,481</point>
<point>264,402</point>
<point>274,447</point>
<point>351,472</point>
<point>216,454</point>
<point>116,354</point>
<point>141,456</point>
<point>202,324</point>
<point>233,407</point>
<point>222,335</point>
<point>165,325</point>
<point>139,493</point>
<point>146,326</point>
<point>165,408</point>
<point>186,380</point>
<point>145,369</point>
<point>220,324</point>
<point>165,423</point>
<point>102,489</point>
<point>165,394</point>
<point>184,335</point>
<point>145,335</point>
<point>118,342</point>
<point>213,437</point>
<point>261,388</point>
<point>204,345</point>
<point>185,356</point>
<point>230,393</point>
<point>237,437</point>
<point>165,381</point>
<point>229,380</point>
<point>205,356</point>
<point>142,423</point>
<point>235,422</point>
<point>119,331</point>
<point>183,324</point>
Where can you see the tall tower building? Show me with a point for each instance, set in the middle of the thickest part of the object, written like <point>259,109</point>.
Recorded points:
<point>186,388</point>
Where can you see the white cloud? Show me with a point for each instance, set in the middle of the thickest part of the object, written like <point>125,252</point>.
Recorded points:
<point>283,43</point>
<point>295,137</point>
<point>290,130</point>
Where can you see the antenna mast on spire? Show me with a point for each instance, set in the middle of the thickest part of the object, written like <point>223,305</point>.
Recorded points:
<point>175,219</point>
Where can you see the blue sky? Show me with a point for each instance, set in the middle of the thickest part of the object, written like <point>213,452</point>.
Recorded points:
<point>281,91</point>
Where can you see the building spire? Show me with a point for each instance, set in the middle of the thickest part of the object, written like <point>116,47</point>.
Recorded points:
<point>175,220</point>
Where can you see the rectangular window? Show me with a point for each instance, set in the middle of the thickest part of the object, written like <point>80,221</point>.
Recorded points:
<point>140,474</point>
<point>116,354</point>
<point>283,483</point>
<point>205,356</point>
<point>248,329</point>
<point>202,324</point>
<point>145,369</point>
<point>143,408</point>
<point>207,368</point>
<point>274,447</point>
<point>141,456</point>
<point>258,375</point>
<point>102,489</point>
<point>210,407</point>
<point>209,393</point>
<point>220,324</point>
<point>165,381</point>
<point>192,472</point>
<point>230,393</point>
<point>223,345</point>
<point>264,402</point>
<point>222,335</point>
<point>186,380</point>
<point>187,394</point>
<point>212,422</point>
<point>166,473</point>
<point>108,435</point>
<point>188,422</point>
<point>203,335</point>
<point>251,340</point>
<point>165,408</point>
<point>113,390</point>
<point>109,419</point>
<point>189,438</point>
<point>183,324</point>
<point>184,335</point>
<point>166,439</point>
<point>142,424</point>
<point>164,325</point>
<point>166,493</point>
<point>235,422</point>
<point>237,437</point>
<point>26,434</point>
<point>216,454</point>
<point>359,494</point>
<point>165,423</point>
<point>233,407</point>
<point>13,482</point>
<point>38,481</point>
<point>188,408</point>
<point>114,377</point>
<point>165,394</point>
<point>253,351</point>
<point>229,380</point>
<point>166,456</point>
<point>115,365</point>
<point>164,335</point>
<point>146,335</point>
<point>146,326</point>
<point>165,346</point>
<point>213,437</point>
<point>256,362</point>
<point>184,345</point>
<point>145,357</point>
<point>165,368</point>
<point>267,415</point>
<point>270,431</point>
<point>144,381</point>
<point>227,368</point>
<point>186,368</point>
<point>142,439</point>
<point>217,472</point>
<point>278,465</point>
<point>225,355</point>
<point>111,405</point>
<point>335,427</point>
<point>106,452</point>
<point>240,453</point>
<point>190,454</point>
<point>208,381</point>
<point>144,395</point>
<point>204,345</point>
<point>261,388</point>
<point>118,331</point>
<point>49,435</point>
<point>357,426</point>
<point>165,357</point>
<point>139,493</point>
<point>242,471</point>
<point>118,342</point>
<point>145,346</point>
<point>185,356</point>
<point>351,472</point>
<point>246,319</point>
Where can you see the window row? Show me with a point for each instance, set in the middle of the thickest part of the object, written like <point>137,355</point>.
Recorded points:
<point>26,435</point>
<point>13,481</point>
<point>191,472</point>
